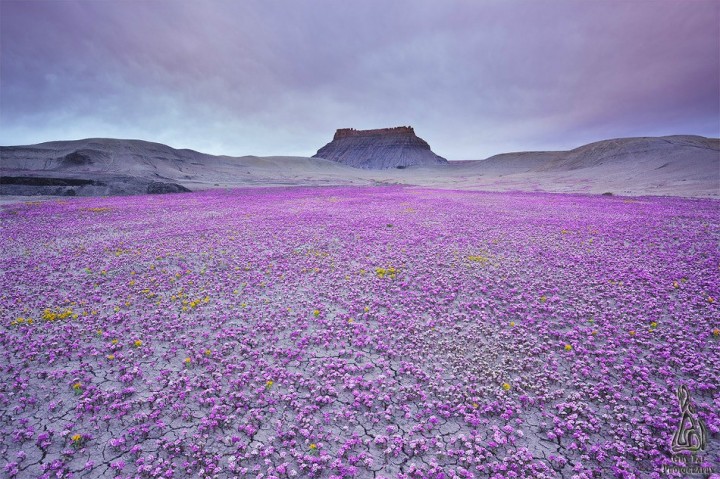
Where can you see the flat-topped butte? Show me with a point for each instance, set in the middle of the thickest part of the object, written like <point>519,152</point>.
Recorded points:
<point>383,148</point>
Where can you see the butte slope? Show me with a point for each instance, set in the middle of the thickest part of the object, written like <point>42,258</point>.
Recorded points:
<point>380,149</point>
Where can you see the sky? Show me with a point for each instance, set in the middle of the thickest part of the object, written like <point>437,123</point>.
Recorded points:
<point>278,77</point>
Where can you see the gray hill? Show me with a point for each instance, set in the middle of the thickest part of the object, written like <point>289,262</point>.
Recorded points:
<point>671,165</point>
<point>106,166</point>
<point>379,149</point>
<point>92,167</point>
<point>682,165</point>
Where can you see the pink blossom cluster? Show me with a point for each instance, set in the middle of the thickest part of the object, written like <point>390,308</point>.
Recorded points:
<point>356,332</point>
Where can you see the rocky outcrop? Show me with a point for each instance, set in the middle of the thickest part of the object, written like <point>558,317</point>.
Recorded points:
<point>159,188</point>
<point>94,167</point>
<point>379,149</point>
<point>76,185</point>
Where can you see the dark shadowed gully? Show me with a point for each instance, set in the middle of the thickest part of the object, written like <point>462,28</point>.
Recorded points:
<point>350,332</point>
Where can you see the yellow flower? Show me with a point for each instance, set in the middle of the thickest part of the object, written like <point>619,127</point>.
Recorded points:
<point>716,332</point>
<point>138,343</point>
<point>110,356</point>
<point>268,384</point>
<point>76,438</point>
<point>187,361</point>
<point>512,324</point>
<point>506,386</point>
<point>208,353</point>
<point>367,308</point>
<point>675,284</point>
<point>594,333</point>
<point>653,324</point>
<point>350,321</point>
<point>543,298</point>
<point>77,387</point>
<point>711,300</point>
<point>632,333</point>
<point>316,312</point>
<point>475,405</point>
<point>568,347</point>
<point>313,446</point>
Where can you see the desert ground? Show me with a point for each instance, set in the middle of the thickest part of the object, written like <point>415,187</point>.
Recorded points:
<point>370,332</point>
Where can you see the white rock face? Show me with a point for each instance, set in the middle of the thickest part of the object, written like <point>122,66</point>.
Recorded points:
<point>379,149</point>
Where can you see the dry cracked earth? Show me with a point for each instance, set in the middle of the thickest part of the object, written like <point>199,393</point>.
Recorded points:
<point>357,332</point>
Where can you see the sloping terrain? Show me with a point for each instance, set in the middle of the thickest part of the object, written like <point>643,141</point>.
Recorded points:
<point>130,166</point>
<point>379,149</point>
<point>668,166</point>
<point>672,165</point>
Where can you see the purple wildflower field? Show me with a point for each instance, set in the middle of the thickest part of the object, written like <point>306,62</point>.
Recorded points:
<point>356,332</point>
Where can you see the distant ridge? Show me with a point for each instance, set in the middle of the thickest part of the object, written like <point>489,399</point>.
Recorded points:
<point>379,149</point>
<point>679,165</point>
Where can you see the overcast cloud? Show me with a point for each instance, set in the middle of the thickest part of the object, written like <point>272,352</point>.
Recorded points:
<point>271,77</point>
